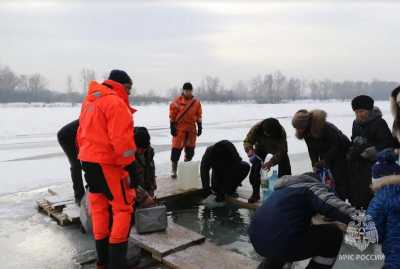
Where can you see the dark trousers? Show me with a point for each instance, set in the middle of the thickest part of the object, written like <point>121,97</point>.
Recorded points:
<point>176,154</point>
<point>321,243</point>
<point>226,180</point>
<point>66,139</point>
<point>340,175</point>
<point>284,168</point>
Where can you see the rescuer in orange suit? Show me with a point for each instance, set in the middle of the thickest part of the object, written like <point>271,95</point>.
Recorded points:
<point>107,152</point>
<point>184,113</point>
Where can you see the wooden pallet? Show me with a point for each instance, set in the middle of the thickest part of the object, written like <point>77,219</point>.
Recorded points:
<point>62,209</point>
<point>56,214</point>
<point>160,244</point>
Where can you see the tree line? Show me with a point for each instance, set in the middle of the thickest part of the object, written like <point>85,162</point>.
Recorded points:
<point>269,88</point>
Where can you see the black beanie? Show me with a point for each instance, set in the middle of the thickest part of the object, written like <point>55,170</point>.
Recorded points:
<point>362,102</point>
<point>272,127</point>
<point>120,77</point>
<point>187,86</point>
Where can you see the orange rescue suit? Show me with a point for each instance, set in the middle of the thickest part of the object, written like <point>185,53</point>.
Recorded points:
<point>106,146</point>
<point>185,119</point>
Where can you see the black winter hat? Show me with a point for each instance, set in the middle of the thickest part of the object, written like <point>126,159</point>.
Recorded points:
<point>187,86</point>
<point>120,77</point>
<point>362,102</point>
<point>142,137</point>
<point>272,127</point>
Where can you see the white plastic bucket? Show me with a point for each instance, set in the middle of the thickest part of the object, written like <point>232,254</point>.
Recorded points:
<point>188,175</point>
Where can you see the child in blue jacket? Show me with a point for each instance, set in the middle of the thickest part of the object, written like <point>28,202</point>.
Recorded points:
<point>384,208</point>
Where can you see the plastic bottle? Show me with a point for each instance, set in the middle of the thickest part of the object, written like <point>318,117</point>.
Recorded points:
<point>271,180</point>
<point>264,184</point>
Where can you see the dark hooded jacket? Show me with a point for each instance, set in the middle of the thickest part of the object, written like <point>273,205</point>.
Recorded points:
<point>368,138</point>
<point>285,217</point>
<point>220,157</point>
<point>276,146</point>
<point>324,140</point>
<point>374,130</point>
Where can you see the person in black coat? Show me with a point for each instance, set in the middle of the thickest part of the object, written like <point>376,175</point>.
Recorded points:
<point>67,139</point>
<point>228,170</point>
<point>327,145</point>
<point>370,134</point>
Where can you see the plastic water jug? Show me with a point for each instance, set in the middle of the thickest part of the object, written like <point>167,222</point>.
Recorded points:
<point>272,180</point>
<point>188,175</point>
<point>264,184</point>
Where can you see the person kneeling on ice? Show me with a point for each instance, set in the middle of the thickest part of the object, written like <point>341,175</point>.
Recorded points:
<point>266,137</point>
<point>384,208</point>
<point>282,231</point>
<point>228,170</point>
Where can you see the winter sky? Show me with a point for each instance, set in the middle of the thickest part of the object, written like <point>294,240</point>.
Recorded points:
<point>165,43</point>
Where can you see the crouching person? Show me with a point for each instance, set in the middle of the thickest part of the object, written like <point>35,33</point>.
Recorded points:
<point>384,208</point>
<point>228,170</point>
<point>281,230</point>
<point>145,159</point>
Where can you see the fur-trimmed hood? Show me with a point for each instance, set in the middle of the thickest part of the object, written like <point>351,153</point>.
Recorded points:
<point>379,183</point>
<point>317,122</point>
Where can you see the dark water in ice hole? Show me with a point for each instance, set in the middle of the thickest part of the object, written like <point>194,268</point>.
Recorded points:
<point>225,226</point>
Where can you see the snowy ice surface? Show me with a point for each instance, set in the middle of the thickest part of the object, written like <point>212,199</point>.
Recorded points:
<point>30,156</point>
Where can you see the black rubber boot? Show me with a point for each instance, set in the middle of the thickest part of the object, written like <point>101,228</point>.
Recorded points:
<point>102,251</point>
<point>117,256</point>
<point>174,168</point>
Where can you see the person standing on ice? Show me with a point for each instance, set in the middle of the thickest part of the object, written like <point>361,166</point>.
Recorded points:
<point>228,170</point>
<point>266,137</point>
<point>107,151</point>
<point>66,137</point>
<point>327,145</point>
<point>184,113</point>
<point>281,230</point>
<point>370,134</point>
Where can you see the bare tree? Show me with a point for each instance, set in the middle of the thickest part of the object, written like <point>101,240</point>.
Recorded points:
<point>87,75</point>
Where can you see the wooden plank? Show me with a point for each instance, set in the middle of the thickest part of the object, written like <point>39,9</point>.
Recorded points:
<point>59,201</point>
<point>173,239</point>
<point>72,212</point>
<point>168,188</point>
<point>207,256</point>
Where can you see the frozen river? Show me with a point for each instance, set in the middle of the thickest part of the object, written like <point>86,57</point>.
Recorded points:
<point>30,158</point>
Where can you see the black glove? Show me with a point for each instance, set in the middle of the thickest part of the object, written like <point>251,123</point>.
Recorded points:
<point>172,127</point>
<point>199,128</point>
<point>135,174</point>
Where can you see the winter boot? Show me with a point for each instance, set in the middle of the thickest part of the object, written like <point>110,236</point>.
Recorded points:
<point>255,196</point>
<point>174,168</point>
<point>102,253</point>
<point>117,256</point>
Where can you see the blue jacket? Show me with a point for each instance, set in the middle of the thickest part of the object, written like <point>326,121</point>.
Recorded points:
<point>286,215</point>
<point>384,208</point>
